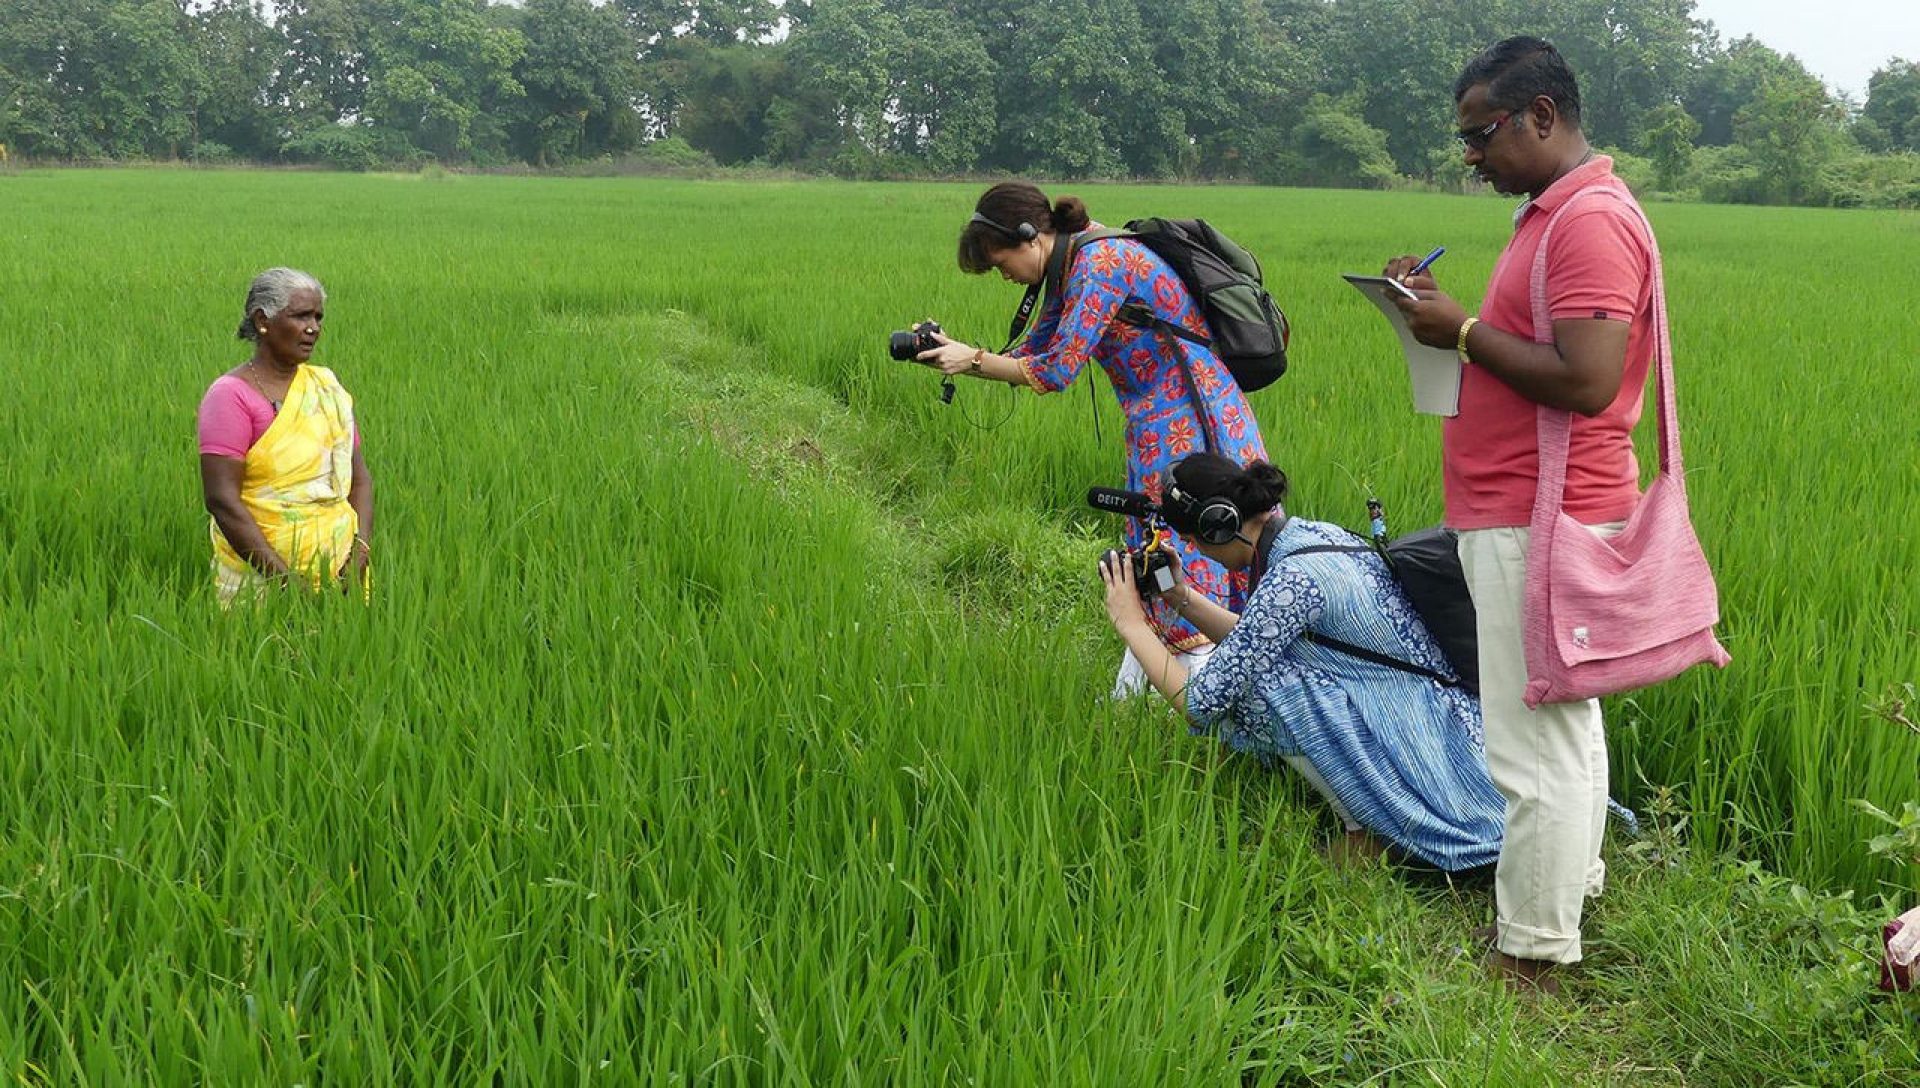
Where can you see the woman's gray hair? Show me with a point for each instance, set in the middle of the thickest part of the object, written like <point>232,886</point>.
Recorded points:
<point>269,294</point>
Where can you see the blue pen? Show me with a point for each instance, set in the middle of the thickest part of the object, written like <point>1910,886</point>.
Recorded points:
<point>1424,262</point>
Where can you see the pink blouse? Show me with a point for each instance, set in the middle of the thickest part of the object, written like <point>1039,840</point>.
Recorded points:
<point>233,416</point>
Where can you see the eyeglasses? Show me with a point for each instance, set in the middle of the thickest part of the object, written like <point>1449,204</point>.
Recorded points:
<point>1479,138</point>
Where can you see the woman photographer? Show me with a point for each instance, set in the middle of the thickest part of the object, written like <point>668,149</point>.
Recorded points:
<point>1176,395</point>
<point>1398,753</point>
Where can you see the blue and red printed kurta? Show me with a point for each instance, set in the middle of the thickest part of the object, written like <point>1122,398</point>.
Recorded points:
<point>1162,410</point>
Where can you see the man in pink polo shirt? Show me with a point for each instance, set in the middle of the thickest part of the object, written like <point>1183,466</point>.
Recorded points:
<point>1518,109</point>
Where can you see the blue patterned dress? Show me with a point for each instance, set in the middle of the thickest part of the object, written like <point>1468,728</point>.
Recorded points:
<point>1403,754</point>
<point>1163,423</point>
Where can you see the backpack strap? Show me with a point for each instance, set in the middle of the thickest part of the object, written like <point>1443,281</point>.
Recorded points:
<point>1139,313</point>
<point>1132,312</point>
<point>1389,661</point>
<point>1361,652</point>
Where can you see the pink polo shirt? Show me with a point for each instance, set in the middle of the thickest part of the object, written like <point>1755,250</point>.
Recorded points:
<point>1599,265</point>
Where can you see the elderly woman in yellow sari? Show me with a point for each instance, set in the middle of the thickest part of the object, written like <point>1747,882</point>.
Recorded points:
<point>280,460</point>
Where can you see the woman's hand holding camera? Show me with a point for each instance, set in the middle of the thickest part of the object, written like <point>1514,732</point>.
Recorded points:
<point>952,357</point>
<point>1124,605</point>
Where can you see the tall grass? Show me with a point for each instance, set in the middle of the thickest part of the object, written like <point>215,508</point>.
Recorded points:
<point>729,709</point>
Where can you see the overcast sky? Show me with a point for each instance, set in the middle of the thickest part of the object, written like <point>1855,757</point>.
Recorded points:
<point>1841,41</point>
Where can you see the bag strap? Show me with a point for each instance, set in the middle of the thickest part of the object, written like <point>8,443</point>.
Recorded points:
<point>1362,652</point>
<point>1554,425</point>
<point>1052,282</point>
<point>1139,313</point>
<point>1389,661</point>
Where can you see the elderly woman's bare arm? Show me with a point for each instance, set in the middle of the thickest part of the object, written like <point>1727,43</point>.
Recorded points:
<point>220,487</point>
<point>360,497</point>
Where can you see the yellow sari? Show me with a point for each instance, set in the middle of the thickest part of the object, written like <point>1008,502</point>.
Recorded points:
<point>295,485</point>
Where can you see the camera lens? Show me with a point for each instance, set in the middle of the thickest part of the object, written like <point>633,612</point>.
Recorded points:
<point>903,346</point>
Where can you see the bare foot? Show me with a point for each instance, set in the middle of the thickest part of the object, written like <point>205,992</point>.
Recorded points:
<point>1524,976</point>
<point>1355,850</point>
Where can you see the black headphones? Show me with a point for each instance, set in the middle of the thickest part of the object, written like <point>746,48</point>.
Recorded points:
<point>1026,232</point>
<point>1215,520</point>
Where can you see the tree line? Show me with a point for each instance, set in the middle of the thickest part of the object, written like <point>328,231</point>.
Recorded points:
<point>1296,92</point>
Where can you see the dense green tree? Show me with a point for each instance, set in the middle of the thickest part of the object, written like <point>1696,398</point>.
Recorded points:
<point>940,85</point>
<point>1079,94</point>
<point>1350,92</point>
<point>1790,131</point>
<point>323,77</point>
<point>1221,65</point>
<point>843,56</point>
<point>1729,80</point>
<point>1632,57</point>
<point>86,78</point>
<point>1333,146</point>
<point>1893,105</point>
<point>728,91</point>
<point>579,77</point>
<point>46,71</point>
<point>656,23</point>
<point>1401,58</point>
<point>239,53</point>
<point>439,74</point>
<point>1667,137</point>
<point>150,79</point>
<point>730,22</point>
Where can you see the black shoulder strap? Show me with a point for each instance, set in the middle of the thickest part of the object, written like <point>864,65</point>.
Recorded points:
<point>1271,530</point>
<point>1362,652</point>
<point>1051,283</point>
<point>1138,313</point>
<point>1315,548</point>
<point>1389,661</point>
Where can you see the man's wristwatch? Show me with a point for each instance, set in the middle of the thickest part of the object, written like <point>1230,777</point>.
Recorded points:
<point>1460,343</point>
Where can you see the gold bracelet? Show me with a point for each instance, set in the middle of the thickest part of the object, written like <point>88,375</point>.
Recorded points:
<point>1460,345</point>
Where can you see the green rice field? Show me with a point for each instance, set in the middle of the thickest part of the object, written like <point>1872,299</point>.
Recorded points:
<point>729,711</point>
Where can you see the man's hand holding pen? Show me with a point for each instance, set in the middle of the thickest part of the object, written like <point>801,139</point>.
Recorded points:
<point>1435,318</point>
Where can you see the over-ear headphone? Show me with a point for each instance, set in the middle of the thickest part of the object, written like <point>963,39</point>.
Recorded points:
<point>1216,520</point>
<point>1025,232</point>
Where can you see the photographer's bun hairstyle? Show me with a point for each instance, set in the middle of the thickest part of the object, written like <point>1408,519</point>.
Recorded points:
<point>1206,478</point>
<point>1011,213</point>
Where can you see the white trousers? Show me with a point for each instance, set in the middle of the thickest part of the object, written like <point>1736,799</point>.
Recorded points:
<point>1550,763</point>
<point>1132,678</point>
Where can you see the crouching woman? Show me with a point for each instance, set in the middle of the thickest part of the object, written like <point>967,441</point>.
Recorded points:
<point>1396,749</point>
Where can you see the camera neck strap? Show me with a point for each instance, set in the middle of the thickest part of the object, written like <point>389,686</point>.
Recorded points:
<point>1050,284</point>
<point>1267,532</point>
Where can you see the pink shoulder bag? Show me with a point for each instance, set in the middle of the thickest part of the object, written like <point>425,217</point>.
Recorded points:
<point>1629,611</point>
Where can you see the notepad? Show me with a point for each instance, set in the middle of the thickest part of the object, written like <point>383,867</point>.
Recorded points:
<point>1434,372</point>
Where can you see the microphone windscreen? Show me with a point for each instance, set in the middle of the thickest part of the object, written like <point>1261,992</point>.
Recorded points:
<point>1134,504</point>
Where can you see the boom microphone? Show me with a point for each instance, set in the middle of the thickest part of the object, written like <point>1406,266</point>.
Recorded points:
<point>1133,504</point>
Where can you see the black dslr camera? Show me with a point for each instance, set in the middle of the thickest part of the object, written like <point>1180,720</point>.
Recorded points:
<point>1153,564</point>
<point>905,347</point>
